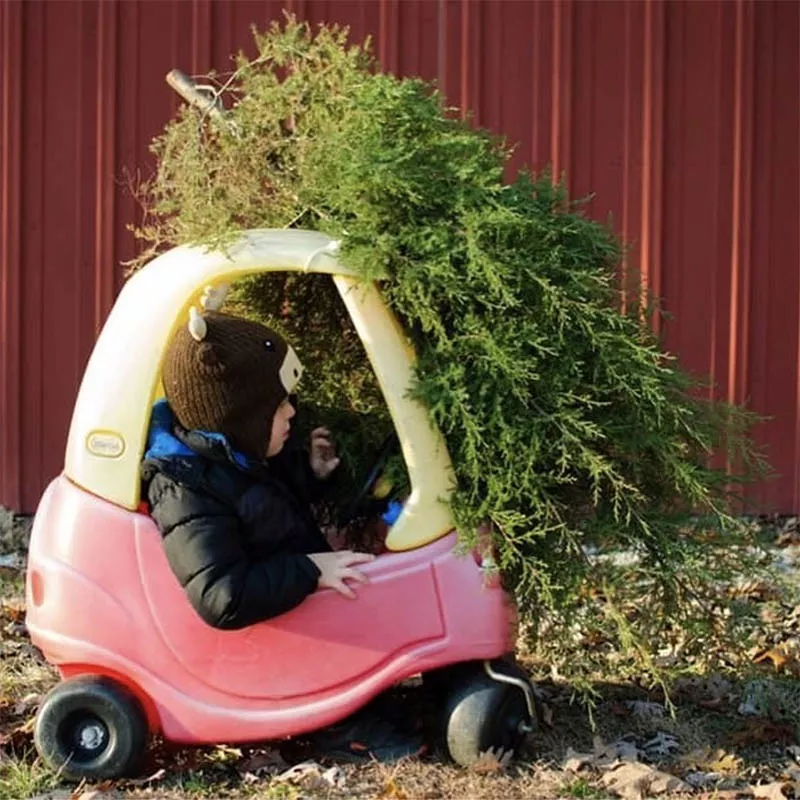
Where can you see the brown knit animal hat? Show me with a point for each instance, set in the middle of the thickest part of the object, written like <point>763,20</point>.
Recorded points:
<point>228,375</point>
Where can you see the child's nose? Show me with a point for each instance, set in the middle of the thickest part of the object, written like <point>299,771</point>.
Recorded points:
<point>292,411</point>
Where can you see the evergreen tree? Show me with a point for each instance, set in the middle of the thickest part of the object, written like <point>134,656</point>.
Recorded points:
<point>570,429</point>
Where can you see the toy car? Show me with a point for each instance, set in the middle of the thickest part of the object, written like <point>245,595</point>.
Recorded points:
<point>105,608</point>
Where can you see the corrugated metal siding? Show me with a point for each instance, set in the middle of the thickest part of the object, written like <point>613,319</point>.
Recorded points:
<point>681,118</point>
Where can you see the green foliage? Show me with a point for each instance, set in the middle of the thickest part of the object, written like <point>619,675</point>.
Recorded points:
<point>568,426</point>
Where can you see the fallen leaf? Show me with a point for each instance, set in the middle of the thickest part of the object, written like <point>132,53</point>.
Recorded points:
<point>603,757</point>
<point>634,781</point>
<point>311,775</point>
<point>156,776</point>
<point>13,610</point>
<point>393,790</point>
<point>789,534</point>
<point>492,760</point>
<point>620,710</point>
<point>12,562</point>
<point>782,659</point>
<point>299,771</point>
<point>662,745</point>
<point>263,762</point>
<point>702,780</point>
<point>27,703</point>
<point>769,791</point>
<point>575,760</point>
<point>19,737</point>
<point>96,792</point>
<point>334,776</point>
<point>755,589</point>
<point>753,699</point>
<point>710,692</point>
<point>705,759</point>
<point>764,731</point>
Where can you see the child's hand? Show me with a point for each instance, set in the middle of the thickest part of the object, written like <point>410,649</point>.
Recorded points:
<point>323,454</point>
<point>336,567</point>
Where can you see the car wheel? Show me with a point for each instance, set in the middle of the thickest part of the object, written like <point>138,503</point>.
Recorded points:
<point>480,714</point>
<point>90,727</point>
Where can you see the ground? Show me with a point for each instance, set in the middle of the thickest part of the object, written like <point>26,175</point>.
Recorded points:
<point>723,738</point>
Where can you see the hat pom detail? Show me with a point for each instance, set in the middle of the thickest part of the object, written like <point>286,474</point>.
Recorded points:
<point>214,296</point>
<point>197,325</point>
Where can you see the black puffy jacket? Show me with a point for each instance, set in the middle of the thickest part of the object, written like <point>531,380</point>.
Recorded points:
<point>235,536</point>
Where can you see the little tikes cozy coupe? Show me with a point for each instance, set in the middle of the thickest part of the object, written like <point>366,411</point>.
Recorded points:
<point>106,610</point>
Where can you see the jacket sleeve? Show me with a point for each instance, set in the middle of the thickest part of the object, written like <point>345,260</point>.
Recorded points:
<point>204,548</point>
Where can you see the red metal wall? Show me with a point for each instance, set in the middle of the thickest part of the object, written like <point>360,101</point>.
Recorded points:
<point>681,118</point>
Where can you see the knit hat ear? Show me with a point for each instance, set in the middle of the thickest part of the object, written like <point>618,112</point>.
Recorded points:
<point>197,325</point>
<point>212,300</point>
<point>228,375</point>
<point>214,297</point>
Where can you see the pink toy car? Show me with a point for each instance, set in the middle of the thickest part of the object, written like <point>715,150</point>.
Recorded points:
<point>106,610</point>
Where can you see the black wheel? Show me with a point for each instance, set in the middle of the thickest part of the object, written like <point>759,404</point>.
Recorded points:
<point>481,713</point>
<point>91,727</point>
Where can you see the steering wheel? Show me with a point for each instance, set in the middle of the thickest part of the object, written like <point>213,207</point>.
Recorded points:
<point>359,501</point>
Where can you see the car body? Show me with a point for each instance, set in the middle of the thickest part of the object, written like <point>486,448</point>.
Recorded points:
<point>103,601</point>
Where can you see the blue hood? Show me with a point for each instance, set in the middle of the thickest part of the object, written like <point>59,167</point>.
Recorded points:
<point>162,442</point>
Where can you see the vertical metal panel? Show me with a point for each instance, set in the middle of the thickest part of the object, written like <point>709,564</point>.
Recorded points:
<point>680,118</point>
<point>775,278</point>
<point>10,262</point>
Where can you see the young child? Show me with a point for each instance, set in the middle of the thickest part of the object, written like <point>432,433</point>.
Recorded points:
<point>231,493</point>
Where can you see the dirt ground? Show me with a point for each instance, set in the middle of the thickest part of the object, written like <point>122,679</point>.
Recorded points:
<point>722,738</point>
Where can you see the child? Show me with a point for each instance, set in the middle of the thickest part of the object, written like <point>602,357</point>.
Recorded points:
<point>231,496</point>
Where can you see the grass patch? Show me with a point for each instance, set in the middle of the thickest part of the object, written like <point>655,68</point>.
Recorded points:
<point>25,776</point>
<point>581,789</point>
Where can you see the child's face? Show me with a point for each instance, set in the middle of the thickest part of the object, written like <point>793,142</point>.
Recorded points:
<point>281,425</point>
